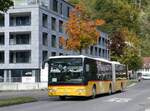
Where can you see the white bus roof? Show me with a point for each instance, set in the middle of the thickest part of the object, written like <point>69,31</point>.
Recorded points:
<point>79,56</point>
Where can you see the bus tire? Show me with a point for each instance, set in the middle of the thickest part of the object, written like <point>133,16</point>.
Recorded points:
<point>93,92</point>
<point>110,90</point>
<point>62,97</point>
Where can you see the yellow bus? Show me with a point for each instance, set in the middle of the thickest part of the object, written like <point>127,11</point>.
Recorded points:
<point>84,76</point>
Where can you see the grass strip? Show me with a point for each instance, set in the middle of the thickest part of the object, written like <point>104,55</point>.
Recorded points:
<point>131,82</point>
<point>16,100</point>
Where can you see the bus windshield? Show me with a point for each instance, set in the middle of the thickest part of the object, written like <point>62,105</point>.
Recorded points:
<point>65,70</point>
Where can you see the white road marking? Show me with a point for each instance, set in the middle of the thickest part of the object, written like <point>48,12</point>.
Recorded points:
<point>119,100</point>
<point>148,98</point>
<point>147,109</point>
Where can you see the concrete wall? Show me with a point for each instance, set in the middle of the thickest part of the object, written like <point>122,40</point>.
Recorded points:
<point>22,86</point>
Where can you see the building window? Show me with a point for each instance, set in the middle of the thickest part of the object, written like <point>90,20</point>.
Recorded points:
<point>103,53</point>
<point>55,5</point>
<point>68,11</point>
<point>22,19</point>
<point>1,75</point>
<point>60,26</point>
<point>60,54</point>
<point>61,8</point>
<point>45,40</point>
<point>53,41</point>
<point>23,38</point>
<point>95,51</point>
<point>60,45</point>
<point>53,54</point>
<point>2,39</point>
<point>18,73</point>
<point>2,57</point>
<point>99,41</point>
<point>99,51</point>
<point>45,20</point>
<point>20,57</point>
<point>45,55</point>
<point>91,50</point>
<point>53,20</point>
<point>2,20</point>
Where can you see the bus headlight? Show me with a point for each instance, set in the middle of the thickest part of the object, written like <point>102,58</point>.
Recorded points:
<point>51,90</point>
<point>81,90</point>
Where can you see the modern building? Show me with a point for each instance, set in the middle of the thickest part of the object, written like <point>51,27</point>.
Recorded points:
<point>29,34</point>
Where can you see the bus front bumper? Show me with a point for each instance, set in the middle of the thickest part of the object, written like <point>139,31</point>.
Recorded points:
<point>67,91</point>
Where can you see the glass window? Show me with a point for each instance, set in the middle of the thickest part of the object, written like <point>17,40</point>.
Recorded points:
<point>66,71</point>
<point>53,54</point>
<point>95,51</point>
<point>2,39</point>
<point>53,41</point>
<point>45,20</point>
<point>45,40</point>
<point>20,19</point>
<point>60,54</point>
<point>20,57</point>
<point>53,20</point>
<point>20,38</point>
<point>99,51</point>
<point>55,5</point>
<point>1,75</point>
<point>61,8</point>
<point>2,57</point>
<point>91,50</point>
<point>68,11</point>
<point>60,26</point>
<point>45,55</point>
<point>2,20</point>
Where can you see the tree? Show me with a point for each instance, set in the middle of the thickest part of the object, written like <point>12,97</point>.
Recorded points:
<point>81,30</point>
<point>117,45</point>
<point>5,4</point>
<point>145,30</point>
<point>131,55</point>
<point>117,14</point>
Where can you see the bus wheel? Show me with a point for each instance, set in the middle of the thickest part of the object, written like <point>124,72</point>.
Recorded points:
<point>110,90</point>
<point>93,92</point>
<point>62,97</point>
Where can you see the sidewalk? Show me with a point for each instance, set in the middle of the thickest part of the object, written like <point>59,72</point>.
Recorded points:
<point>38,94</point>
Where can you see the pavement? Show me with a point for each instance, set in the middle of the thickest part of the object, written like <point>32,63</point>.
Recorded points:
<point>135,98</point>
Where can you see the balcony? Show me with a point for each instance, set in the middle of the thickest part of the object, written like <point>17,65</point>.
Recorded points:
<point>20,57</point>
<point>23,38</point>
<point>20,19</point>
<point>43,3</point>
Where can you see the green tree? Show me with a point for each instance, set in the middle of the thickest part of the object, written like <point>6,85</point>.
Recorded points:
<point>117,14</point>
<point>145,30</point>
<point>5,4</point>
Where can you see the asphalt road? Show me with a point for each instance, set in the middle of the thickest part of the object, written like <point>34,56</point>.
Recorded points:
<point>136,98</point>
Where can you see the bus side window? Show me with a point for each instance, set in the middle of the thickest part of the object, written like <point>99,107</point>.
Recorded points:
<point>87,68</point>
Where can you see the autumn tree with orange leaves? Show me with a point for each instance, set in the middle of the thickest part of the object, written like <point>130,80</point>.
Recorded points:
<point>81,30</point>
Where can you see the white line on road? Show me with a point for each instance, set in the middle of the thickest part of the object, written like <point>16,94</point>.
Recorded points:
<point>147,109</point>
<point>119,100</point>
<point>148,98</point>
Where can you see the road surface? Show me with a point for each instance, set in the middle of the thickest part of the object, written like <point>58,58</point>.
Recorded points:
<point>135,98</point>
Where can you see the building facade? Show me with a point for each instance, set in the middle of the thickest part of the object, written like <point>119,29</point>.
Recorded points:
<point>29,34</point>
